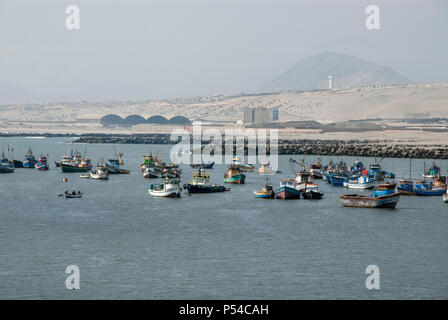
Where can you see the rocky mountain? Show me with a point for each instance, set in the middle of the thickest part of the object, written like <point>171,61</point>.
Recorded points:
<point>312,73</point>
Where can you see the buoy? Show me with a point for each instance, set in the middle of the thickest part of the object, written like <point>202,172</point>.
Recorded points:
<point>64,180</point>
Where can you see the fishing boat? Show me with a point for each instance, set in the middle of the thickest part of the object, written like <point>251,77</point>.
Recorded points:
<point>148,160</point>
<point>150,172</point>
<point>316,170</point>
<point>363,181</point>
<point>287,190</point>
<point>265,168</point>
<point>66,158</point>
<point>42,163</point>
<point>100,173</point>
<point>169,188</point>
<point>336,180</point>
<point>406,187</point>
<point>357,167</point>
<point>266,192</point>
<point>71,195</point>
<point>370,201</point>
<point>6,166</point>
<point>311,192</point>
<point>303,180</point>
<point>432,172</point>
<point>114,167</point>
<point>202,165</point>
<point>75,163</point>
<point>30,161</point>
<point>384,189</point>
<point>234,175</point>
<point>429,189</point>
<point>200,183</point>
<point>303,177</point>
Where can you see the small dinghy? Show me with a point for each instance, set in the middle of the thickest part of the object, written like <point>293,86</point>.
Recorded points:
<point>71,195</point>
<point>84,176</point>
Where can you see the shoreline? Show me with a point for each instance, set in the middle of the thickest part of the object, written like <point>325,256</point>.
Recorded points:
<point>324,147</point>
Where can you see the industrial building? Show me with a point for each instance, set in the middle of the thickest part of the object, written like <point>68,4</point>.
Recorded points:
<point>260,115</point>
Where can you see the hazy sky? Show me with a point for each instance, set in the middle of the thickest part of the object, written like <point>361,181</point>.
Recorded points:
<point>168,48</point>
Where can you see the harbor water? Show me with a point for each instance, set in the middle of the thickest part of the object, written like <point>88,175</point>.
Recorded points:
<point>231,245</point>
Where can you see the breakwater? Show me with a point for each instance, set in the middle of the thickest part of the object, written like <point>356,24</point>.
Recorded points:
<point>358,148</point>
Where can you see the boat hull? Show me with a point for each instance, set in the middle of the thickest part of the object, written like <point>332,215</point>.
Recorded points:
<point>264,194</point>
<point>70,168</point>
<point>164,194</point>
<point>428,193</point>
<point>29,164</point>
<point>312,195</point>
<point>287,193</point>
<point>360,186</point>
<point>367,201</point>
<point>197,188</point>
<point>202,165</point>
<point>42,168</point>
<point>336,181</point>
<point>237,179</point>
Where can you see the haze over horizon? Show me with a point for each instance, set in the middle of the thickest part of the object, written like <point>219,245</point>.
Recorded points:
<point>169,48</point>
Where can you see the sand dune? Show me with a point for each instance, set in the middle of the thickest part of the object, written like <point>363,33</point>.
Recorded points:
<point>325,106</point>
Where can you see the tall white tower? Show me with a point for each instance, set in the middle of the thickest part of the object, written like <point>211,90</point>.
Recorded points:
<point>330,82</point>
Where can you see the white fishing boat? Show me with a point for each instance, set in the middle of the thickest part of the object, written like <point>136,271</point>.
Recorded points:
<point>169,188</point>
<point>361,182</point>
<point>100,173</point>
<point>303,181</point>
<point>150,172</point>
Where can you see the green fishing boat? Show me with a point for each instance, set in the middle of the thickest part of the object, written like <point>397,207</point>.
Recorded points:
<point>234,175</point>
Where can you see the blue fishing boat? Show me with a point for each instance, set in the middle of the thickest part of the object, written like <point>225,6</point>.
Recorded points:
<point>384,189</point>
<point>429,189</point>
<point>287,190</point>
<point>336,180</point>
<point>406,187</point>
<point>30,161</point>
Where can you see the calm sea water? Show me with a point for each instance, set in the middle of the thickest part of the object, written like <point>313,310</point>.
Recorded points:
<point>230,245</point>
